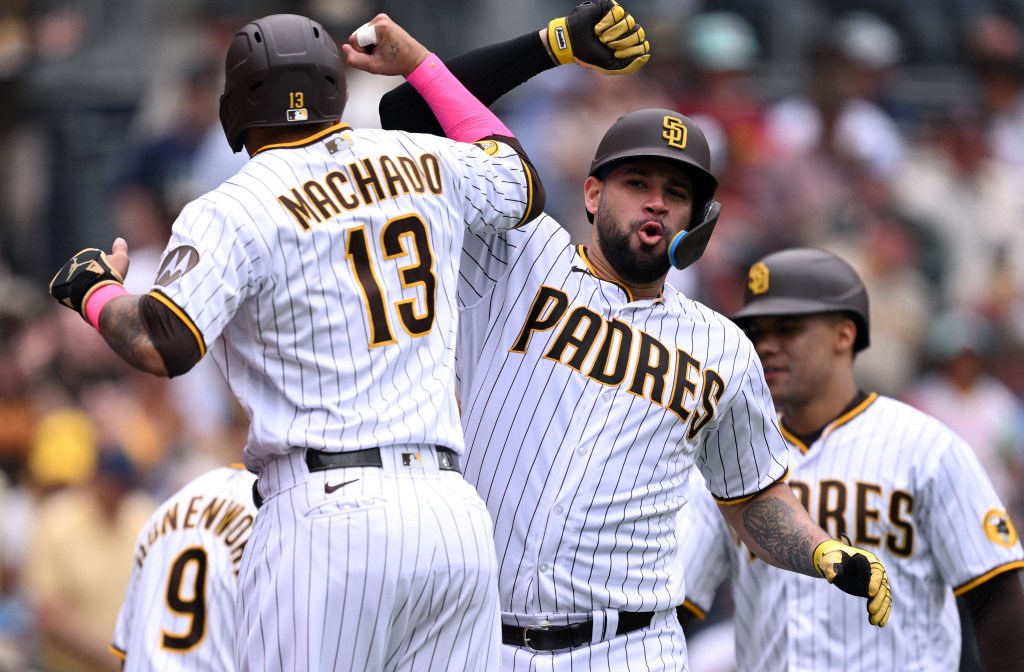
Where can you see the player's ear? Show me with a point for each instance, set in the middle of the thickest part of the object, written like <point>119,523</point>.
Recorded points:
<point>592,195</point>
<point>845,334</point>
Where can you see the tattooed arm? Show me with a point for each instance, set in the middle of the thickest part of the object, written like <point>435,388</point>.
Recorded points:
<point>144,330</point>
<point>147,334</point>
<point>776,528</point>
<point>122,328</point>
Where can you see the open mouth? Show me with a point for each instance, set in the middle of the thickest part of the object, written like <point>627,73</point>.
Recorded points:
<point>651,233</point>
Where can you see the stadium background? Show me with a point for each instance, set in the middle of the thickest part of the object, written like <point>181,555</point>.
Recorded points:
<point>108,125</point>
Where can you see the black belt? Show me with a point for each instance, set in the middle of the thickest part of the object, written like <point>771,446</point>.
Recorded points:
<point>554,637</point>
<point>318,460</point>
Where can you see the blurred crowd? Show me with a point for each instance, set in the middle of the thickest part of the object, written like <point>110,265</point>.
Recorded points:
<point>888,131</point>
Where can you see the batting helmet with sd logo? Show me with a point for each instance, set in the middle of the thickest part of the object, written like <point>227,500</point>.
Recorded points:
<point>281,70</point>
<point>664,134</point>
<point>802,281</point>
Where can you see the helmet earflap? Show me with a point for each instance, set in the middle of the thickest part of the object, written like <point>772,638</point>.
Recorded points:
<point>688,246</point>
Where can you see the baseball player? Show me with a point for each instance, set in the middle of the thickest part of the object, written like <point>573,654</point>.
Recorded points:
<point>322,279</point>
<point>589,388</point>
<point>890,478</point>
<point>179,611</point>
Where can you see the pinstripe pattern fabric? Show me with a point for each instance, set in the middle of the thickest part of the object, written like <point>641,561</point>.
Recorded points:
<point>578,453</point>
<point>322,277</point>
<point>285,312</point>
<point>189,551</point>
<point>902,486</point>
<point>393,571</point>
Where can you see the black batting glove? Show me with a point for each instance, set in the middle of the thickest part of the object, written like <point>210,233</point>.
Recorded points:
<point>857,572</point>
<point>82,275</point>
<point>601,36</point>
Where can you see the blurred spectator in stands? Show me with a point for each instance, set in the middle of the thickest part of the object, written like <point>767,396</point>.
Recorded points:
<point>957,387</point>
<point>839,113</point>
<point>830,149</point>
<point>885,247</point>
<point>873,50</point>
<point>972,201</point>
<point>21,172</point>
<point>90,61</point>
<point>996,58</point>
<point>722,49</point>
<point>21,302</point>
<point>157,176</point>
<point>79,560</point>
<point>61,455</point>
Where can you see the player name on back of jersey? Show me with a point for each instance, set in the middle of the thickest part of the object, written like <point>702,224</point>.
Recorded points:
<point>361,183</point>
<point>222,517</point>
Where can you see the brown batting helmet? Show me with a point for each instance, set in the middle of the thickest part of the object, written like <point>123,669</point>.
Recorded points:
<point>281,70</point>
<point>802,281</point>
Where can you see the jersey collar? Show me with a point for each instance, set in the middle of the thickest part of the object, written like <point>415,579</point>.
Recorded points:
<point>581,250</point>
<point>337,128</point>
<point>805,442</point>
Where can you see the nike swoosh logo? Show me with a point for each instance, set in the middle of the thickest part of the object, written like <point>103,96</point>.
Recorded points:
<point>328,488</point>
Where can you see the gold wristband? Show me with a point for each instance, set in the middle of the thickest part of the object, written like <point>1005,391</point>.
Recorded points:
<point>558,40</point>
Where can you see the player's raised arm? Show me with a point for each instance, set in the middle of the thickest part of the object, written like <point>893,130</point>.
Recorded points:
<point>383,47</point>
<point>601,36</point>
<point>775,527</point>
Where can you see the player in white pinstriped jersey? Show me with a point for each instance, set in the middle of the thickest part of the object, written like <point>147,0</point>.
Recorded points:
<point>179,610</point>
<point>589,389</point>
<point>896,481</point>
<point>322,277</point>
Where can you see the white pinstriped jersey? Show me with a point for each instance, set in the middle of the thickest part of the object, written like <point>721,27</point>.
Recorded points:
<point>899,484</point>
<point>323,277</point>
<point>179,611</point>
<point>584,411</point>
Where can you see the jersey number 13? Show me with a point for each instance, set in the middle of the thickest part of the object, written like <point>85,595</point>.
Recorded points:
<point>404,236</point>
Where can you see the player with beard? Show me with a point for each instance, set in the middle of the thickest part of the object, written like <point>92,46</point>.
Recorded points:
<point>589,388</point>
<point>618,385</point>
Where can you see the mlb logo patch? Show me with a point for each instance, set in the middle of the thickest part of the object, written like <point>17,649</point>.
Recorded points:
<point>298,115</point>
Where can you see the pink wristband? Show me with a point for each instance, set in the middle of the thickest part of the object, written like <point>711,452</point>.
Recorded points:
<point>463,117</point>
<point>94,302</point>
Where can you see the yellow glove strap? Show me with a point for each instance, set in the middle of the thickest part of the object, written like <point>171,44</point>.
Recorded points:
<point>558,40</point>
<point>821,549</point>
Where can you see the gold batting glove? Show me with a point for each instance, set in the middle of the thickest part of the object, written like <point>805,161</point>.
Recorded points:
<point>857,572</point>
<point>82,275</point>
<point>601,36</point>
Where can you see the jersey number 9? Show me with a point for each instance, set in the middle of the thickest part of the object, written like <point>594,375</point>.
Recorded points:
<point>186,596</point>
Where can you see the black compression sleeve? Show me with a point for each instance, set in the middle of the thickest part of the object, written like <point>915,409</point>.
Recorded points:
<point>488,73</point>
<point>997,610</point>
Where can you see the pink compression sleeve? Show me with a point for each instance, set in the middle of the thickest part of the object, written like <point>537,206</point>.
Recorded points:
<point>463,117</point>
<point>94,303</point>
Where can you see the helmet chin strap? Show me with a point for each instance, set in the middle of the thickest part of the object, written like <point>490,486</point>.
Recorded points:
<point>688,246</point>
